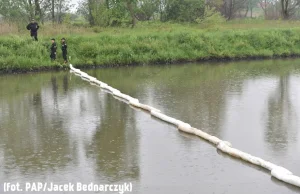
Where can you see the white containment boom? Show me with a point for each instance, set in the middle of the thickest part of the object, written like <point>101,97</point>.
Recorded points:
<point>276,171</point>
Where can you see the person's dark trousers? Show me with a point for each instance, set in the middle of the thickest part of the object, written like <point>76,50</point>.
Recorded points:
<point>64,54</point>
<point>34,36</point>
<point>53,56</point>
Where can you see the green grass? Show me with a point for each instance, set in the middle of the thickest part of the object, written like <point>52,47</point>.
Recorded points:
<point>153,43</point>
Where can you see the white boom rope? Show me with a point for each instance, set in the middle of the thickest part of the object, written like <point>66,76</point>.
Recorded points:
<point>276,171</point>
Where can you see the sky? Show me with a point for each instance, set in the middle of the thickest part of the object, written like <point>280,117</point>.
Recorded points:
<point>75,1</point>
<point>76,5</point>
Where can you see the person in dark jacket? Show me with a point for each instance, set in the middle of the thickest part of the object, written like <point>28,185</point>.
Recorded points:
<point>64,49</point>
<point>33,27</point>
<point>53,49</point>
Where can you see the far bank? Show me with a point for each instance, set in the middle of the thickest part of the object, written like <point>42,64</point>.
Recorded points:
<point>114,48</point>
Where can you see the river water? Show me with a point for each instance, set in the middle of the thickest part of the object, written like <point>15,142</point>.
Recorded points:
<point>55,127</point>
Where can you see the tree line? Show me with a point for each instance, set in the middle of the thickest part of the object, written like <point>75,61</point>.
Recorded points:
<point>41,10</point>
<point>128,12</point>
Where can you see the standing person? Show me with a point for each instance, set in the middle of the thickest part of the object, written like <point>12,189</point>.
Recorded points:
<point>53,50</point>
<point>33,27</point>
<point>64,49</point>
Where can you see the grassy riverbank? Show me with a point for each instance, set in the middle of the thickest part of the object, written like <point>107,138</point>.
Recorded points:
<point>156,43</point>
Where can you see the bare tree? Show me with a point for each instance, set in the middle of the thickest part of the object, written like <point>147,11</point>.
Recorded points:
<point>264,4</point>
<point>52,11</point>
<point>131,11</point>
<point>90,10</point>
<point>29,8</point>
<point>37,9</point>
<point>288,8</point>
<point>231,7</point>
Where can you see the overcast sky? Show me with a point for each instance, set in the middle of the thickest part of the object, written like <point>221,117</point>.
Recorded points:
<point>76,4</point>
<point>75,1</point>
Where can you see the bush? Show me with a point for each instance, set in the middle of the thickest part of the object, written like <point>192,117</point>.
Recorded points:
<point>211,17</point>
<point>184,10</point>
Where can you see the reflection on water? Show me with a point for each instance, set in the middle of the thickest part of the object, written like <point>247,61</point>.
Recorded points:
<point>57,127</point>
<point>282,118</point>
<point>50,127</point>
<point>112,139</point>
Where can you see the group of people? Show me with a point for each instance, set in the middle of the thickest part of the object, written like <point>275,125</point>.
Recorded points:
<point>33,27</point>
